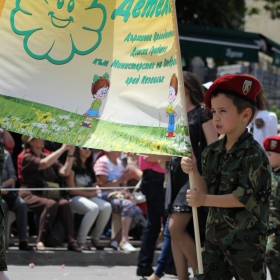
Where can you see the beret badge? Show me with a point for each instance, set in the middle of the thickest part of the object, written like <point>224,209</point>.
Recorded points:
<point>246,86</point>
<point>273,144</point>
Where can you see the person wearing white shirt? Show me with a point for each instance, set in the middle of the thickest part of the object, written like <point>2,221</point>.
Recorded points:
<point>264,123</point>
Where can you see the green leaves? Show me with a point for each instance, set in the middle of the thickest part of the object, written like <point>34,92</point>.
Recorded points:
<point>226,14</point>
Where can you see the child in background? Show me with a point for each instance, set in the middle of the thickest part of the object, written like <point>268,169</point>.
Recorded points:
<point>235,184</point>
<point>272,147</point>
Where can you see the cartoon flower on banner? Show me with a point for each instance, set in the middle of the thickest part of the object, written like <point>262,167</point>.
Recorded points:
<point>57,29</point>
<point>156,145</point>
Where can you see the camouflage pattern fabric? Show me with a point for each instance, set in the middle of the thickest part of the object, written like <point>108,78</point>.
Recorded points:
<point>225,262</point>
<point>273,242</point>
<point>237,234</point>
<point>3,260</point>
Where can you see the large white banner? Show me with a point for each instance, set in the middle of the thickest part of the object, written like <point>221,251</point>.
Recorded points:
<point>95,73</point>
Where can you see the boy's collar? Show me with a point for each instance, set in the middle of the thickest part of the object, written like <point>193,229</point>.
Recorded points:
<point>241,140</point>
<point>276,170</point>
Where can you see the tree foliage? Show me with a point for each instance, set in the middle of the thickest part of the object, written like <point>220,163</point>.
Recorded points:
<point>219,13</point>
<point>271,6</point>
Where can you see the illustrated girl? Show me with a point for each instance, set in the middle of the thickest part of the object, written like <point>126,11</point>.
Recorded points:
<point>99,89</point>
<point>173,90</point>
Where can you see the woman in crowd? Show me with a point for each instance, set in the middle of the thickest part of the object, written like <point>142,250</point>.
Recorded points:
<point>202,133</point>
<point>37,169</point>
<point>110,173</point>
<point>86,202</point>
<point>152,187</point>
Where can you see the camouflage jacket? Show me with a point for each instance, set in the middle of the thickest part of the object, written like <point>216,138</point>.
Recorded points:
<point>274,214</point>
<point>245,172</point>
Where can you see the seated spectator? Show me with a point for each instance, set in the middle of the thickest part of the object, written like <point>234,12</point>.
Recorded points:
<point>20,156</point>
<point>37,169</point>
<point>12,202</point>
<point>110,172</point>
<point>86,202</point>
<point>7,140</point>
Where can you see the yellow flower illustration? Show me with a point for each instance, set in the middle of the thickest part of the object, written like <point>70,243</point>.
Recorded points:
<point>130,147</point>
<point>170,109</point>
<point>143,142</point>
<point>44,117</point>
<point>156,146</point>
<point>25,126</point>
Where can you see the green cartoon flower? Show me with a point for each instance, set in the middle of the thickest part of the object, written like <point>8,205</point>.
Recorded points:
<point>56,30</point>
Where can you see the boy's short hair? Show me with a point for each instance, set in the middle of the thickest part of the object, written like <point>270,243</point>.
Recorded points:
<point>272,144</point>
<point>239,103</point>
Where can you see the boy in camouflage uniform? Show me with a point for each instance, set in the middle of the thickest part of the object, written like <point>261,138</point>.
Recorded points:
<point>272,147</point>
<point>235,185</point>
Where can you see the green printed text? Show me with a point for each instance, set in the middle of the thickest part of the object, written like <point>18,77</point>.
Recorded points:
<point>142,8</point>
<point>132,80</point>
<point>152,80</point>
<point>100,62</point>
<point>132,66</point>
<point>138,38</point>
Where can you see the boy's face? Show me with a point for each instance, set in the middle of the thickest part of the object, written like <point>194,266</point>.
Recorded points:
<point>274,159</point>
<point>226,118</point>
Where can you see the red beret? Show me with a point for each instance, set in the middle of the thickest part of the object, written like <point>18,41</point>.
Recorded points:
<point>272,144</point>
<point>241,85</point>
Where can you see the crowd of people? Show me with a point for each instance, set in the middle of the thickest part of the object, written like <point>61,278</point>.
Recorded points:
<point>82,170</point>
<point>232,177</point>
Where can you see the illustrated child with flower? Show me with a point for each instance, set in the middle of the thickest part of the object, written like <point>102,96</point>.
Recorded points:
<point>173,90</point>
<point>99,89</point>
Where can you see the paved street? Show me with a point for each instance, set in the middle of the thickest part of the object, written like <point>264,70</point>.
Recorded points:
<point>54,272</point>
<point>107,264</point>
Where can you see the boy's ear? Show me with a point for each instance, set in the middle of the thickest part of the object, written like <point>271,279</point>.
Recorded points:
<point>247,115</point>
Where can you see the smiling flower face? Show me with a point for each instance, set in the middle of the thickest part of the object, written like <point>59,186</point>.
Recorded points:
<point>57,29</point>
<point>62,22</point>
